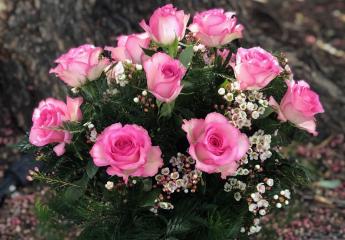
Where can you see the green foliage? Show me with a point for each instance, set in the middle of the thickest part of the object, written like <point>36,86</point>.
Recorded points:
<point>186,56</point>
<point>149,52</point>
<point>166,109</point>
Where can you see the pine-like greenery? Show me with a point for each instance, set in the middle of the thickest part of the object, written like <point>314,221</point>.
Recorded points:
<point>79,200</point>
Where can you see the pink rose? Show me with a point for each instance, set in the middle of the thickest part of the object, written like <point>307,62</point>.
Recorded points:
<point>49,117</point>
<point>127,151</point>
<point>130,47</point>
<point>255,68</point>
<point>215,28</point>
<point>164,75</point>
<point>215,144</point>
<point>166,24</point>
<point>299,105</point>
<point>80,64</point>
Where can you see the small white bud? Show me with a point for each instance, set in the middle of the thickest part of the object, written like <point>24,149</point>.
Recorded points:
<point>235,85</point>
<point>136,100</point>
<point>261,188</point>
<point>12,188</point>
<point>221,91</point>
<point>270,182</point>
<point>287,202</point>
<point>276,197</point>
<point>75,90</point>
<point>138,67</point>
<point>144,93</point>
<point>195,48</point>
<point>237,196</point>
<point>109,185</point>
<point>252,207</point>
<point>255,114</point>
<point>257,166</point>
<point>287,194</point>
<point>262,212</point>
<point>278,205</point>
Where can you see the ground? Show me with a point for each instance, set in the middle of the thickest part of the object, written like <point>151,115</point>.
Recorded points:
<point>311,33</point>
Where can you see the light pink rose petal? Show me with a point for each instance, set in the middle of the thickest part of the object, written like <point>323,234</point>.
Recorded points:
<point>243,145</point>
<point>59,149</point>
<point>273,103</point>
<point>72,79</point>
<point>118,172</point>
<point>134,47</point>
<point>215,117</point>
<point>94,56</point>
<point>168,30</point>
<point>95,71</point>
<point>121,41</point>
<point>150,71</point>
<point>147,29</point>
<point>97,153</point>
<point>300,120</point>
<point>118,53</point>
<point>194,128</point>
<point>309,126</point>
<point>73,108</point>
<point>229,169</point>
<point>154,162</point>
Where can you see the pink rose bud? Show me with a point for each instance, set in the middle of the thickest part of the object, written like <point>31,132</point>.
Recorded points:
<point>49,117</point>
<point>299,106</point>
<point>80,64</point>
<point>215,144</point>
<point>127,151</point>
<point>130,47</point>
<point>215,27</point>
<point>166,24</point>
<point>255,68</point>
<point>164,75</point>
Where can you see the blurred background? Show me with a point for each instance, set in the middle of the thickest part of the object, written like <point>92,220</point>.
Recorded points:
<point>310,32</point>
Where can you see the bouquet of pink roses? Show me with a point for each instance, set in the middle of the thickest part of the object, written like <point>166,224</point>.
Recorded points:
<point>175,133</point>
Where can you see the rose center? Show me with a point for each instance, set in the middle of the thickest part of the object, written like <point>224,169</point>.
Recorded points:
<point>168,71</point>
<point>123,145</point>
<point>215,141</point>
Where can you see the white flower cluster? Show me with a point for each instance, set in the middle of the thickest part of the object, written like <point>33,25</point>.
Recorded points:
<point>260,144</point>
<point>183,178</point>
<point>235,184</point>
<point>258,203</point>
<point>111,92</point>
<point>254,228</point>
<point>180,177</point>
<point>242,171</point>
<point>109,185</point>
<point>92,132</point>
<point>285,196</point>
<point>243,106</point>
<point>199,47</point>
<point>118,74</point>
